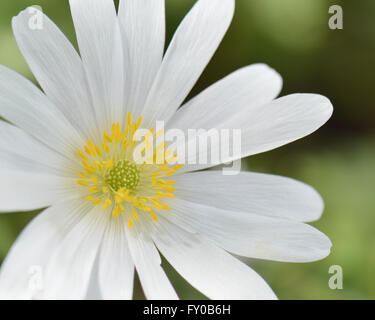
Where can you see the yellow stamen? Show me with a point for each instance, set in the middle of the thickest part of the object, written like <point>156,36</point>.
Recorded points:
<point>93,189</point>
<point>105,189</point>
<point>94,179</point>
<point>135,215</point>
<point>82,155</point>
<point>154,216</point>
<point>117,181</point>
<point>83,183</point>
<point>96,201</point>
<point>81,175</point>
<point>106,203</point>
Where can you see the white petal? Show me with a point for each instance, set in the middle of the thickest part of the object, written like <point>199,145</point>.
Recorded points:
<point>116,268</point>
<point>69,269</point>
<point>266,127</point>
<point>191,48</point>
<point>246,88</point>
<point>155,284</point>
<point>99,40</point>
<point>57,67</point>
<point>143,28</point>
<point>252,235</point>
<point>22,191</point>
<point>20,152</point>
<point>209,269</point>
<point>27,107</point>
<point>24,268</point>
<point>255,193</point>
<point>282,121</point>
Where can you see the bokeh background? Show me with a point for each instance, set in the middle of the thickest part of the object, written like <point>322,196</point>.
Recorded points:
<point>293,37</point>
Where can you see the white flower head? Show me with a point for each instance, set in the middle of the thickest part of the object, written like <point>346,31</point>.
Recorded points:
<point>70,148</point>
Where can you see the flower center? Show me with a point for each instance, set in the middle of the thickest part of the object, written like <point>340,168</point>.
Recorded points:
<point>123,174</point>
<point>115,181</point>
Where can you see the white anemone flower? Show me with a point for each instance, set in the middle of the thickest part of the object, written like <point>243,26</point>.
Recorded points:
<point>66,149</point>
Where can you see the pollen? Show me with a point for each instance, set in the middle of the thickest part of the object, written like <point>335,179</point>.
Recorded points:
<point>114,181</point>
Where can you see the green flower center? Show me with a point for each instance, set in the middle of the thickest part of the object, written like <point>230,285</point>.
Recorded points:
<point>123,174</point>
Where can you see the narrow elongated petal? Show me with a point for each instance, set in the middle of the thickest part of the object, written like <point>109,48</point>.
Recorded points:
<point>22,153</point>
<point>26,106</point>
<point>251,235</point>
<point>116,268</point>
<point>22,191</point>
<point>244,89</point>
<point>209,269</point>
<point>192,47</point>
<point>100,45</point>
<point>22,274</point>
<point>256,193</point>
<point>143,33</point>
<point>155,284</point>
<point>57,67</point>
<point>70,266</point>
<point>264,127</point>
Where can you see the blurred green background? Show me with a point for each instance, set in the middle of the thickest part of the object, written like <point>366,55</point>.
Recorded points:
<point>293,37</point>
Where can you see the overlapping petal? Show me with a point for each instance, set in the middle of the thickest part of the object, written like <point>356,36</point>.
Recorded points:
<point>209,269</point>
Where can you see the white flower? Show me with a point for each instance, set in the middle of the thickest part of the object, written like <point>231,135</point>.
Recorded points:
<point>119,215</point>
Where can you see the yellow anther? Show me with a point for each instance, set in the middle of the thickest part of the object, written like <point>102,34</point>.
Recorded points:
<point>105,189</point>
<point>105,147</point>
<point>91,147</point>
<point>154,216</point>
<point>135,215</point>
<point>129,118</point>
<point>93,189</point>
<point>98,151</point>
<point>96,201</point>
<point>147,209</point>
<point>117,210</point>
<point>119,135</point>
<point>165,168</point>
<point>178,167</point>
<point>116,133</point>
<point>94,179</point>
<point>87,150</point>
<point>168,188</point>
<point>163,206</point>
<point>89,171</point>
<point>139,122</point>
<point>106,138</point>
<point>82,155</point>
<point>106,203</point>
<point>169,182</point>
<point>109,164</point>
<point>85,163</point>
<point>159,133</point>
<point>130,223</point>
<point>126,131</point>
<point>124,192</point>
<point>83,183</point>
<point>118,198</point>
<point>82,176</point>
<point>162,181</point>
